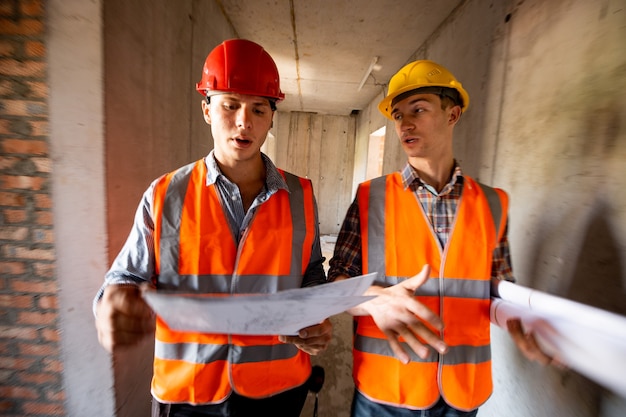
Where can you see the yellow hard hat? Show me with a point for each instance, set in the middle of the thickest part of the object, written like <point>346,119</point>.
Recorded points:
<point>422,74</point>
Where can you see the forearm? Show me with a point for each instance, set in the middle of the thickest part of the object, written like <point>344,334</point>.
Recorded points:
<point>362,309</point>
<point>135,262</point>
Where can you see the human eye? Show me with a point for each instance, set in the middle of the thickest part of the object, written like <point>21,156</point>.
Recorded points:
<point>229,105</point>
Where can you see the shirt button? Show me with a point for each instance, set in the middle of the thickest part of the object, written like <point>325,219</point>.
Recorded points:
<point>439,229</point>
<point>234,198</point>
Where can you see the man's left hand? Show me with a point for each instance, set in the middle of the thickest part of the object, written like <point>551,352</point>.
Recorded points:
<point>313,339</point>
<point>528,345</point>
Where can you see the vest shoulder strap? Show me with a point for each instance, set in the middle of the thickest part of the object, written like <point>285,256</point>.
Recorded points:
<point>495,205</point>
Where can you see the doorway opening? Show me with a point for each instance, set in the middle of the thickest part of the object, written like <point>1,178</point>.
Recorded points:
<point>375,153</point>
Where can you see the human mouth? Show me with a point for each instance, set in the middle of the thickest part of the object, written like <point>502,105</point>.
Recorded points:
<point>242,142</point>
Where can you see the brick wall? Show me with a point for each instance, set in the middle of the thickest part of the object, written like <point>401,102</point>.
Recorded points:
<point>30,365</point>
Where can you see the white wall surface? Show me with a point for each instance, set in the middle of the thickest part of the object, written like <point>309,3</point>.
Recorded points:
<point>77,149</point>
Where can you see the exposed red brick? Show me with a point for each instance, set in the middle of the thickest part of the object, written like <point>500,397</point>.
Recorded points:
<point>55,395</point>
<point>7,8</point>
<point>43,164</point>
<point>10,362</point>
<point>5,406</point>
<point>37,89</point>
<point>27,27</point>
<point>17,392</point>
<point>23,108</point>
<point>35,49</point>
<point>14,199</point>
<point>30,317</point>
<point>14,233</point>
<point>29,338</point>
<point>7,48</point>
<point>50,335</point>
<point>48,302</point>
<point>38,378</point>
<point>36,408</point>
<point>8,162</point>
<point>32,147</point>
<point>15,68</point>
<point>22,182</point>
<point>31,7</point>
<point>12,268</point>
<point>40,128</point>
<point>16,301</point>
<point>44,218</point>
<point>43,270</point>
<point>39,349</point>
<point>34,286</point>
<point>5,124</point>
<point>42,201</point>
<point>43,236</point>
<point>12,332</point>
<point>52,365</point>
<point>14,216</point>
<point>25,253</point>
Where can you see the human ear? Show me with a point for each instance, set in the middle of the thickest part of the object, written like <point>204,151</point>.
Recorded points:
<point>206,107</point>
<point>454,115</point>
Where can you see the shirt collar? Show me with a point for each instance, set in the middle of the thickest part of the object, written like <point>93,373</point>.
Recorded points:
<point>273,179</point>
<point>410,177</point>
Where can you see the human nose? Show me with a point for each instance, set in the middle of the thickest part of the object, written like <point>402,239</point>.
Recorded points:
<point>405,125</point>
<point>244,121</point>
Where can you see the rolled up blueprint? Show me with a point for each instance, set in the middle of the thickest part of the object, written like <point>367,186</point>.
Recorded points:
<point>589,340</point>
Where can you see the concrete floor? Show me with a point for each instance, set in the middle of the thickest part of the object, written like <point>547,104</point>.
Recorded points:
<point>328,246</point>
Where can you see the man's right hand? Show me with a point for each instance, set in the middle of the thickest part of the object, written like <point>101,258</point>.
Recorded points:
<point>398,314</point>
<point>122,317</point>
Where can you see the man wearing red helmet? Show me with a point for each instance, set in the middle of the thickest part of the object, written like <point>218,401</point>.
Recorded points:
<point>422,347</point>
<point>230,223</point>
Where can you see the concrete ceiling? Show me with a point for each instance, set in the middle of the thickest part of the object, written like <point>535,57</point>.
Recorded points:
<point>323,48</point>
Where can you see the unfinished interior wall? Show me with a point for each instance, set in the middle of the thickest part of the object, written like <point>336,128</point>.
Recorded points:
<point>154,124</point>
<point>321,148</point>
<point>74,47</point>
<point>561,153</point>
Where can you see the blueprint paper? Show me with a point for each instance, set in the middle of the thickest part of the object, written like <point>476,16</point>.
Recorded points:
<point>281,313</point>
<point>587,339</point>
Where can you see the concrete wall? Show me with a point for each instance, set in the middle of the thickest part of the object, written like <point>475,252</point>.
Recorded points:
<point>153,56</point>
<point>77,148</point>
<point>321,148</point>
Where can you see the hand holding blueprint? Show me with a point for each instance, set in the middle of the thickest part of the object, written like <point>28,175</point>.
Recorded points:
<point>281,313</point>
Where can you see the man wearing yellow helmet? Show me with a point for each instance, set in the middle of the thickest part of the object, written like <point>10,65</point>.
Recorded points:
<point>422,347</point>
<point>229,223</point>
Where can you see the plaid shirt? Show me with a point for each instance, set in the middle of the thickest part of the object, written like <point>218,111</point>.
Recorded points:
<point>440,209</point>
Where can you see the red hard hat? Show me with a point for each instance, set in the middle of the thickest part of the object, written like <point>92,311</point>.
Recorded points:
<point>240,66</point>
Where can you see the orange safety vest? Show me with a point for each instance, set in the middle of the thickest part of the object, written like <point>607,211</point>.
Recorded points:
<point>195,252</point>
<point>397,238</point>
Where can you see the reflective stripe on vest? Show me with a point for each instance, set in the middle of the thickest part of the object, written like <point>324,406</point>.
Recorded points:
<point>195,252</point>
<point>397,241</point>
